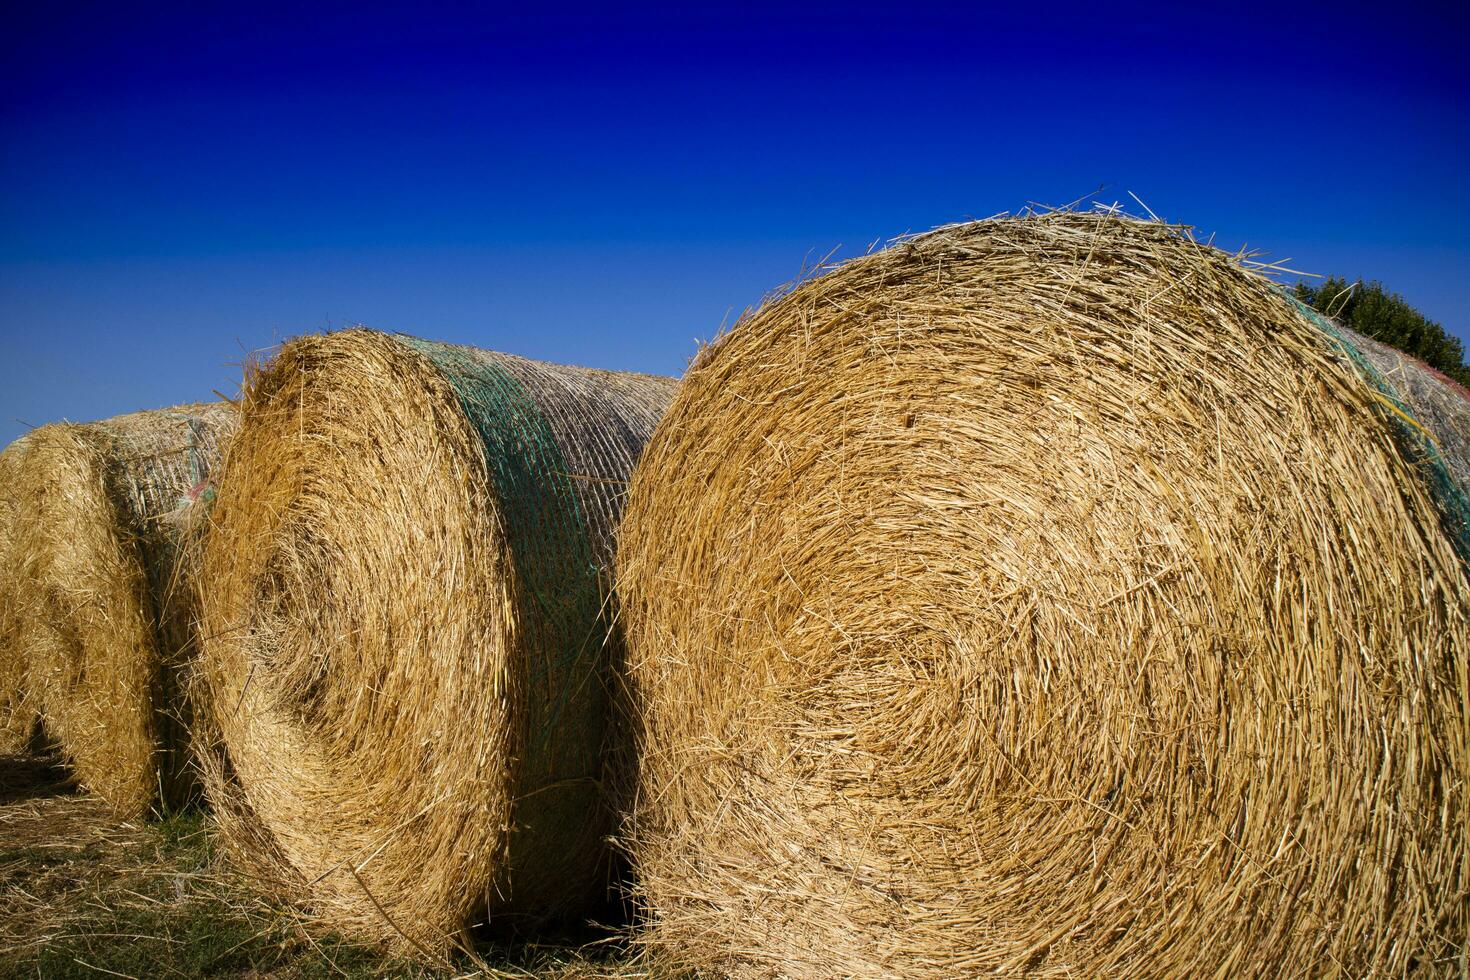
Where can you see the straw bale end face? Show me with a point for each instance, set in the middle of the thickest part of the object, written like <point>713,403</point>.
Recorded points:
<point>1042,596</point>
<point>406,654</point>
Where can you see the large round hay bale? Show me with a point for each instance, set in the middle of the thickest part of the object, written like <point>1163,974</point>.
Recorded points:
<point>1043,596</point>
<point>405,641</point>
<point>105,628</point>
<point>17,718</point>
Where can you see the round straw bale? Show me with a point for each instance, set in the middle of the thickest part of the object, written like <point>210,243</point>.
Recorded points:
<point>17,717</point>
<point>104,624</point>
<point>405,647</point>
<point>1043,596</point>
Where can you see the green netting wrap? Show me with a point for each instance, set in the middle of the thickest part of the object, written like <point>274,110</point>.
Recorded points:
<point>202,454</point>
<point>543,520</point>
<point>1415,437</point>
<point>540,439</point>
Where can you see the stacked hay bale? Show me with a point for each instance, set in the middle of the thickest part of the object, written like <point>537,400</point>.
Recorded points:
<point>1044,596</point>
<point>105,627</point>
<point>406,647</point>
<point>17,719</point>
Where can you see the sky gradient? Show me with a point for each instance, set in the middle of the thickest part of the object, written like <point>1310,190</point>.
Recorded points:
<point>179,188</point>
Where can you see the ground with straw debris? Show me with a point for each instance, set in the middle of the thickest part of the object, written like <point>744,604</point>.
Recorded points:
<point>84,896</point>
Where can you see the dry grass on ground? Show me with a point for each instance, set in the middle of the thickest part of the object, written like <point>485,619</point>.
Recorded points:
<point>84,896</point>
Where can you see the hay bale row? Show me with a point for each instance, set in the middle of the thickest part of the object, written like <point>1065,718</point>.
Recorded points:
<point>405,649</point>
<point>1048,597</point>
<point>99,602</point>
<point>1045,596</point>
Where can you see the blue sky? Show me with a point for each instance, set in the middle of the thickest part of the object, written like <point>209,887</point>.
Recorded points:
<point>180,186</point>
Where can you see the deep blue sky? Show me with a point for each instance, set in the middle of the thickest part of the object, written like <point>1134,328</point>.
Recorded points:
<point>178,187</point>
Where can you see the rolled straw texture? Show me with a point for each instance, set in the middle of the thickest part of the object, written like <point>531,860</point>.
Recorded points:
<point>105,625</point>
<point>406,644</point>
<point>1049,597</point>
<point>17,716</point>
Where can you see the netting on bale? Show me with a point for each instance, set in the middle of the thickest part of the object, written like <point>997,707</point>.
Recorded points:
<point>407,649</point>
<point>104,621</point>
<point>17,718</point>
<point>1438,403</point>
<point>1043,596</point>
<point>1432,414</point>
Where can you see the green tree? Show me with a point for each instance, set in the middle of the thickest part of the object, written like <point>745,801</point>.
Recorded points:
<point>1373,311</point>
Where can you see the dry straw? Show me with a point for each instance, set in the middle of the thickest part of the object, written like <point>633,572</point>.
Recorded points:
<point>17,718</point>
<point>1043,596</point>
<point>405,643</point>
<point>104,625</point>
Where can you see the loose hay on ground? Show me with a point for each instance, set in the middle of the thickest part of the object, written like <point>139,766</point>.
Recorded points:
<point>405,646</point>
<point>104,627</point>
<point>1043,596</point>
<point>82,896</point>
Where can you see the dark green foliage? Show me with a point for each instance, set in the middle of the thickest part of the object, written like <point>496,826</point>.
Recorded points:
<point>1374,312</point>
